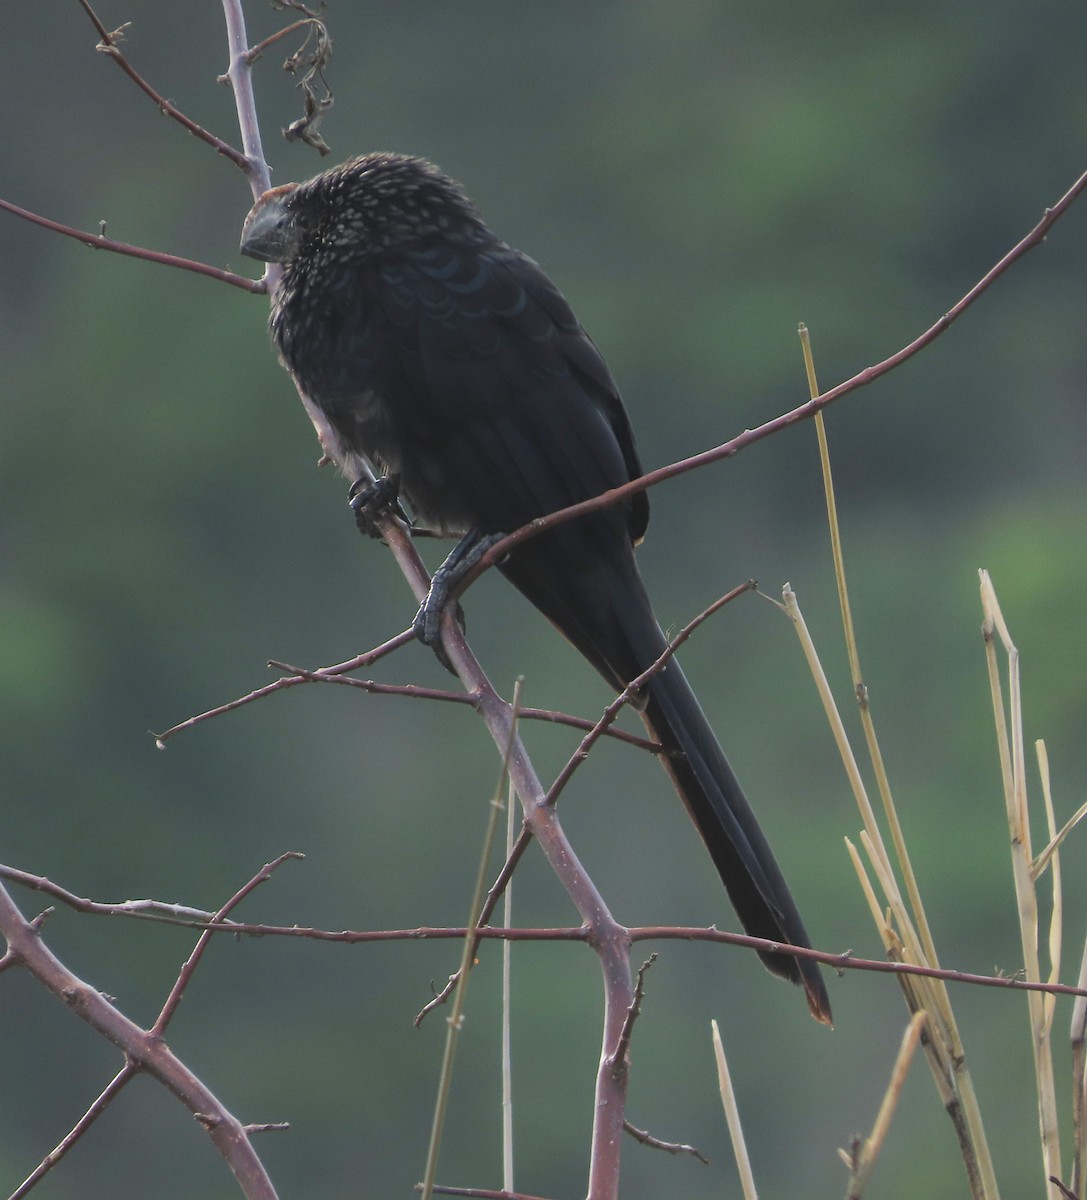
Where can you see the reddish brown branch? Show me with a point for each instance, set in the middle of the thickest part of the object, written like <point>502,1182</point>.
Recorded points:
<point>191,963</point>
<point>620,1055</point>
<point>337,675</point>
<point>146,1050</point>
<point>109,46</point>
<point>142,1050</point>
<point>480,1193</point>
<point>804,411</point>
<point>498,889</point>
<point>655,1143</point>
<point>256,51</point>
<point>111,1090</point>
<point>99,241</point>
<point>289,681</point>
<point>173,914</point>
<point>609,939</point>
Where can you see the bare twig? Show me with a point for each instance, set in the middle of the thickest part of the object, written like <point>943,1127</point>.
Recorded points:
<point>239,75</point>
<point>480,1193</point>
<point>801,413</point>
<point>288,681</point>
<point>190,965</point>
<point>109,46</point>
<point>168,914</point>
<point>620,1058</point>
<point>337,675</point>
<point>254,52</point>
<point>655,1143</point>
<point>111,1090</point>
<point>142,1050</point>
<point>498,888</point>
<point>99,241</point>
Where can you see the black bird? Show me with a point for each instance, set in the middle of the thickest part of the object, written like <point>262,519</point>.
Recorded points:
<point>451,362</point>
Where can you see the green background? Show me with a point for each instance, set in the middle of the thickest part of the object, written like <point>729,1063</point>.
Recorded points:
<point>698,178</point>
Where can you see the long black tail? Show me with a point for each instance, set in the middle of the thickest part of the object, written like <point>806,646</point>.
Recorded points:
<point>597,599</point>
<point>709,788</point>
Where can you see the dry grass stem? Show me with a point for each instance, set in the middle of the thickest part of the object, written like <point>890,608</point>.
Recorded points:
<point>860,688</point>
<point>471,940</point>
<point>732,1116</point>
<point>1078,1035</point>
<point>1042,861</point>
<point>866,1150</point>
<point>507,993</point>
<point>906,935</point>
<point>1008,717</point>
<point>899,931</point>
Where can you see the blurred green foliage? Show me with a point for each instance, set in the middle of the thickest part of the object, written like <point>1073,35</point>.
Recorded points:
<point>699,177</point>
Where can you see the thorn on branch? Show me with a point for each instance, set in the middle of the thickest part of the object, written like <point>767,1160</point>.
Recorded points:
<point>36,924</point>
<point>647,1139</point>
<point>109,45</point>
<point>437,998</point>
<point>109,41</point>
<point>95,241</point>
<point>478,1193</point>
<point>622,1046</point>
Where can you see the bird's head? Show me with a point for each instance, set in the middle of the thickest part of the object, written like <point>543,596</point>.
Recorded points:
<point>271,231</point>
<point>360,209</point>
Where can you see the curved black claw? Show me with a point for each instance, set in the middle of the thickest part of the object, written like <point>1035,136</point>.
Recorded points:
<point>444,586</point>
<point>371,500</point>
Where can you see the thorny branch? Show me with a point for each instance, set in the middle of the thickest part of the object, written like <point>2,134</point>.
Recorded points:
<point>611,940</point>
<point>484,1193</point>
<point>110,46</point>
<point>655,1143</point>
<point>309,62</point>
<point>801,413</point>
<point>194,918</point>
<point>99,241</point>
<point>144,1050</point>
<point>191,963</point>
<point>97,1108</point>
<point>619,1058</point>
<point>338,674</point>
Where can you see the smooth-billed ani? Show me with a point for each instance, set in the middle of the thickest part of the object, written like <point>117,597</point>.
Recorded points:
<point>450,361</point>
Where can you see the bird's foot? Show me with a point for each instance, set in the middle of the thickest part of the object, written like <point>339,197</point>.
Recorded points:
<point>444,586</point>
<point>370,500</point>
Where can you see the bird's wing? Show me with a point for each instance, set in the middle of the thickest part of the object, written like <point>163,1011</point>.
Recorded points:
<point>496,376</point>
